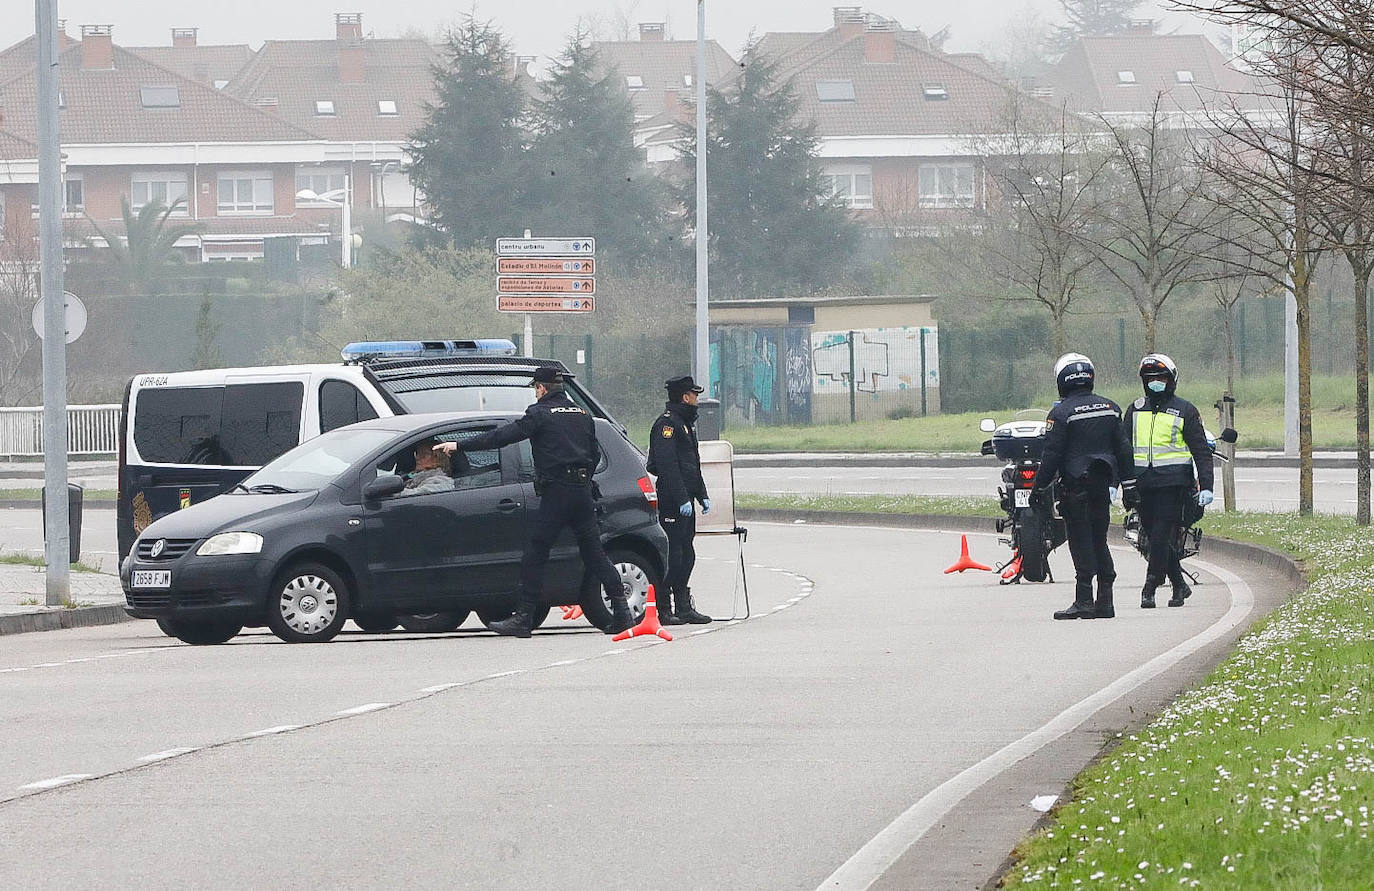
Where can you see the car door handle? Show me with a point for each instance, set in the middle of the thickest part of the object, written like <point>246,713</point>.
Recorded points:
<point>506,505</point>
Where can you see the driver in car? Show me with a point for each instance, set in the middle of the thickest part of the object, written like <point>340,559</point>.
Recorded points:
<point>430,474</point>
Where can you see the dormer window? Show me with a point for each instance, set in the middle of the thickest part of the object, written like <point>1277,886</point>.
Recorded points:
<point>634,81</point>
<point>835,90</point>
<point>1126,78</point>
<point>159,97</point>
<point>387,107</point>
<point>324,107</point>
<point>686,80</point>
<point>1184,77</point>
<point>934,92</point>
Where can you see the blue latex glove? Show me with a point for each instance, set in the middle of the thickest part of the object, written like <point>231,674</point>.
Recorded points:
<point>706,505</point>
<point>686,509</point>
<point>1111,493</point>
<point>1205,497</point>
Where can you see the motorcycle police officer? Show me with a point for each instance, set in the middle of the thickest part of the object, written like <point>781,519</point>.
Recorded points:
<point>1085,448</point>
<point>1167,440</point>
<point>675,459</point>
<point>562,437</point>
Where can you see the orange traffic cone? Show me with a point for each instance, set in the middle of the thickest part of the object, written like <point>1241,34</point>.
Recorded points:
<point>1014,567</point>
<point>965,561</point>
<point>648,626</point>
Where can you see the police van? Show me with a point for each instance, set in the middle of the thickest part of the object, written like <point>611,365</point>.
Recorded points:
<point>188,436</point>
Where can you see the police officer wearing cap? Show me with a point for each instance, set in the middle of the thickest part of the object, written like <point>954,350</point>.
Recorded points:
<point>1167,440</point>
<point>1085,449</point>
<point>562,437</point>
<point>675,459</point>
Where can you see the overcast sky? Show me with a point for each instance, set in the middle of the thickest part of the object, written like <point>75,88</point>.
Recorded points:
<point>537,27</point>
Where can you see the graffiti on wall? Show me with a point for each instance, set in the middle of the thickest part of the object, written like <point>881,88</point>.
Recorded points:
<point>885,359</point>
<point>797,372</point>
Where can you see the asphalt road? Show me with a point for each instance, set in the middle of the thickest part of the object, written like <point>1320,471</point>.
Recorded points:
<point>1260,488</point>
<point>761,754</point>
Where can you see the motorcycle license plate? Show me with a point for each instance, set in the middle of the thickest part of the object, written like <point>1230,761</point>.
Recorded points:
<point>152,578</point>
<point>1022,497</point>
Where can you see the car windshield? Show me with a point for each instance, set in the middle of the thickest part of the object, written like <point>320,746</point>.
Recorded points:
<point>317,462</point>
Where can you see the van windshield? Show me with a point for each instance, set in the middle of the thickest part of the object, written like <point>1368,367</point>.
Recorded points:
<point>446,399</point>
<point>317,462</point>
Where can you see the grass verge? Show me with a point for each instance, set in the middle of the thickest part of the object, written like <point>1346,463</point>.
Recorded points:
<point>1262,776</point>
<point>39,562</point>
<point>37,495</point>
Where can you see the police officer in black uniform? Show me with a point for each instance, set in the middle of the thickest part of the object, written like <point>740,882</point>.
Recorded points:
<point>1084,447</point>
<point>563,438</point>
<point>675,459</point>
<point>1168,440</point>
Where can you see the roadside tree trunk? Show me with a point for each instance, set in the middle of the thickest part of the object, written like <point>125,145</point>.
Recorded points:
<point>1362,481</point>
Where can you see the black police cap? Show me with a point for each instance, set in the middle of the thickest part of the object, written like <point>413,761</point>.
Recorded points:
<point>547,374</point>
<point>679,385</point>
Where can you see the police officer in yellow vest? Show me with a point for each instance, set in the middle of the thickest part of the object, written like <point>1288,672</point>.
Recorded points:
<point>1167,440</point>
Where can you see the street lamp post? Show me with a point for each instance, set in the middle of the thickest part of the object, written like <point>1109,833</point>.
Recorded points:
<point>703,341</point>
<point>342,198</point>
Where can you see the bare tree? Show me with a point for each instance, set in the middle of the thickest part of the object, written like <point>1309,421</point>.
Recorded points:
<point>18,294</point>
<point>1153,235</point>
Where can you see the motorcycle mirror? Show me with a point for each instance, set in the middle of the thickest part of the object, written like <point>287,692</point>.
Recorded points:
<point>987,425</point>
<point>1229,435</point>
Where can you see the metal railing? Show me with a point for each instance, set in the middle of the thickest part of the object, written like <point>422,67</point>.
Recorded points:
<point>91,430</point>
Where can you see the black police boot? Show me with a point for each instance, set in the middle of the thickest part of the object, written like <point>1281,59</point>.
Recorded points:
<point>622,619</point>
<point>519,625</point>
<point>666,615</point>
<point>1082,607</point>
<point>1181,593</point>
<point>1104,607</point>
<point>687,611</point>
<point>1147,594</point>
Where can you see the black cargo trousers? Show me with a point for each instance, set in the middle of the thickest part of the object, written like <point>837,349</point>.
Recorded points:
<point>564,505</point>
<point>1161,518</point>
<point>1087,515</point>
<point>682,552</point>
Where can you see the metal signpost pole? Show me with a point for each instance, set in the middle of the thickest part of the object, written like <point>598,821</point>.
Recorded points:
<point>703,339</point>
<point>346,254</point>
<point>57,552</point>
<point>528,340</point>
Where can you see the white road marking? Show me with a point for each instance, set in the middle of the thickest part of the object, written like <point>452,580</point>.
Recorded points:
<point>363,709</point>
<point>54,782</point>
<point>281,728</point>
<point>563,662</point>
<point>505,674</point>
<point>167,753</point>
<point>439,688</point>
<point>871,861</point>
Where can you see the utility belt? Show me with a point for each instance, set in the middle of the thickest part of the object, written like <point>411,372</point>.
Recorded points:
<point>571,476</point>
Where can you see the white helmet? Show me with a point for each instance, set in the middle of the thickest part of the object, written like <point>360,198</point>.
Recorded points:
<point>1073,371</point>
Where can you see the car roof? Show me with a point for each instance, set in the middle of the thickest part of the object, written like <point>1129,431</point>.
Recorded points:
<point>384,369</point>
<point>408,423</point>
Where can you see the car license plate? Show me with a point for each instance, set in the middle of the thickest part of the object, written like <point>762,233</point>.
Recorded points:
<point>1022,497</point>
<point>152,578</point>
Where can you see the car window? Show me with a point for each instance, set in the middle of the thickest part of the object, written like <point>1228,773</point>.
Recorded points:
<point>460,470</point>
<point>239,425</point>
<point>342,404</point>
<point>318,462</point>
<point>260,421</point>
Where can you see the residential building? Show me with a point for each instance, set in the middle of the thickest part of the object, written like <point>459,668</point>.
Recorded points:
<point>215,65</point>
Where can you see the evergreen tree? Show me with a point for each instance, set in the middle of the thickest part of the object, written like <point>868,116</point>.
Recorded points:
<point>470,157</point>
<point>592,179</point>
<point>771,232</point>
<point>1093,18</point>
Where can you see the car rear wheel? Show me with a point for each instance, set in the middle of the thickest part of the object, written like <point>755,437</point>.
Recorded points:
<point>496,615</point>
<point>200,634</point>
<point>375,623</point>
<point>435,623</point>
<point>309,604</point>
<point>636,573</point>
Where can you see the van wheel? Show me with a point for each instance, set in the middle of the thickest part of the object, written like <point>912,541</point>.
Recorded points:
<point>637,574</point>
<point>497,615</point>
<point>200,634</point>
<point>309,604</point>
<point>435,623</point>
<point>375,623</point>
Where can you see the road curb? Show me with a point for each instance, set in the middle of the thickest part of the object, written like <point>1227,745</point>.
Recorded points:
<point>91,504</point>
<point>57,619</point>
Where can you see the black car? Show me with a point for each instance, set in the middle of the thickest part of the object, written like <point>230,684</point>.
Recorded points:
<point>327,532</point>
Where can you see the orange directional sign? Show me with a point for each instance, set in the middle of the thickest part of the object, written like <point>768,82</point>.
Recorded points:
<point>529,284</point>
<point>545,266</point>
<point>510,303</point>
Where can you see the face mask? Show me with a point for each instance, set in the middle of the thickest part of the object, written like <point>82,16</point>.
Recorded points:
<point>1156,386</point>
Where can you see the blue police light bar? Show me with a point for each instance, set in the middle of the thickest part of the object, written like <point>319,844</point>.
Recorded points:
<point>420,349</point>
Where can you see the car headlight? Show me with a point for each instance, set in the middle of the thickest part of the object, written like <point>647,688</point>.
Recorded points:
<point>230,543</point>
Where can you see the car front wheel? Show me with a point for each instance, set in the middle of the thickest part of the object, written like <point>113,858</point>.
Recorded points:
<point>200,634</point>
<point>309,604</point>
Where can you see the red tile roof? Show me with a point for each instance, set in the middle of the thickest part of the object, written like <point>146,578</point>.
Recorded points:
<point>105,106</point>
<point>661,64</point>
<point>297,73</point>
<point>204,64</point>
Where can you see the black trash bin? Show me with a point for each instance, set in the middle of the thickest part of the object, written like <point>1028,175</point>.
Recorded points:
<point>74,496</point>
<point>708,419</point>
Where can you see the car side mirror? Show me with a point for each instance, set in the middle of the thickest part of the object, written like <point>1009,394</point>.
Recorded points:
<point>987,447</point>
<point>987,425</point>
<point>382,487</point>
<point>1230,435</point>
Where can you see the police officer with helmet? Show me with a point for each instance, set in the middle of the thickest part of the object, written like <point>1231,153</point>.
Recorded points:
<point>1085,449</point>
<point>562,437</point>
<point>1167,440</point>
<point>675,458</point>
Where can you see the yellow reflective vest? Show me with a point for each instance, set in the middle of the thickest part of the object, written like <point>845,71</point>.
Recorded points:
<point>1167,440</point>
